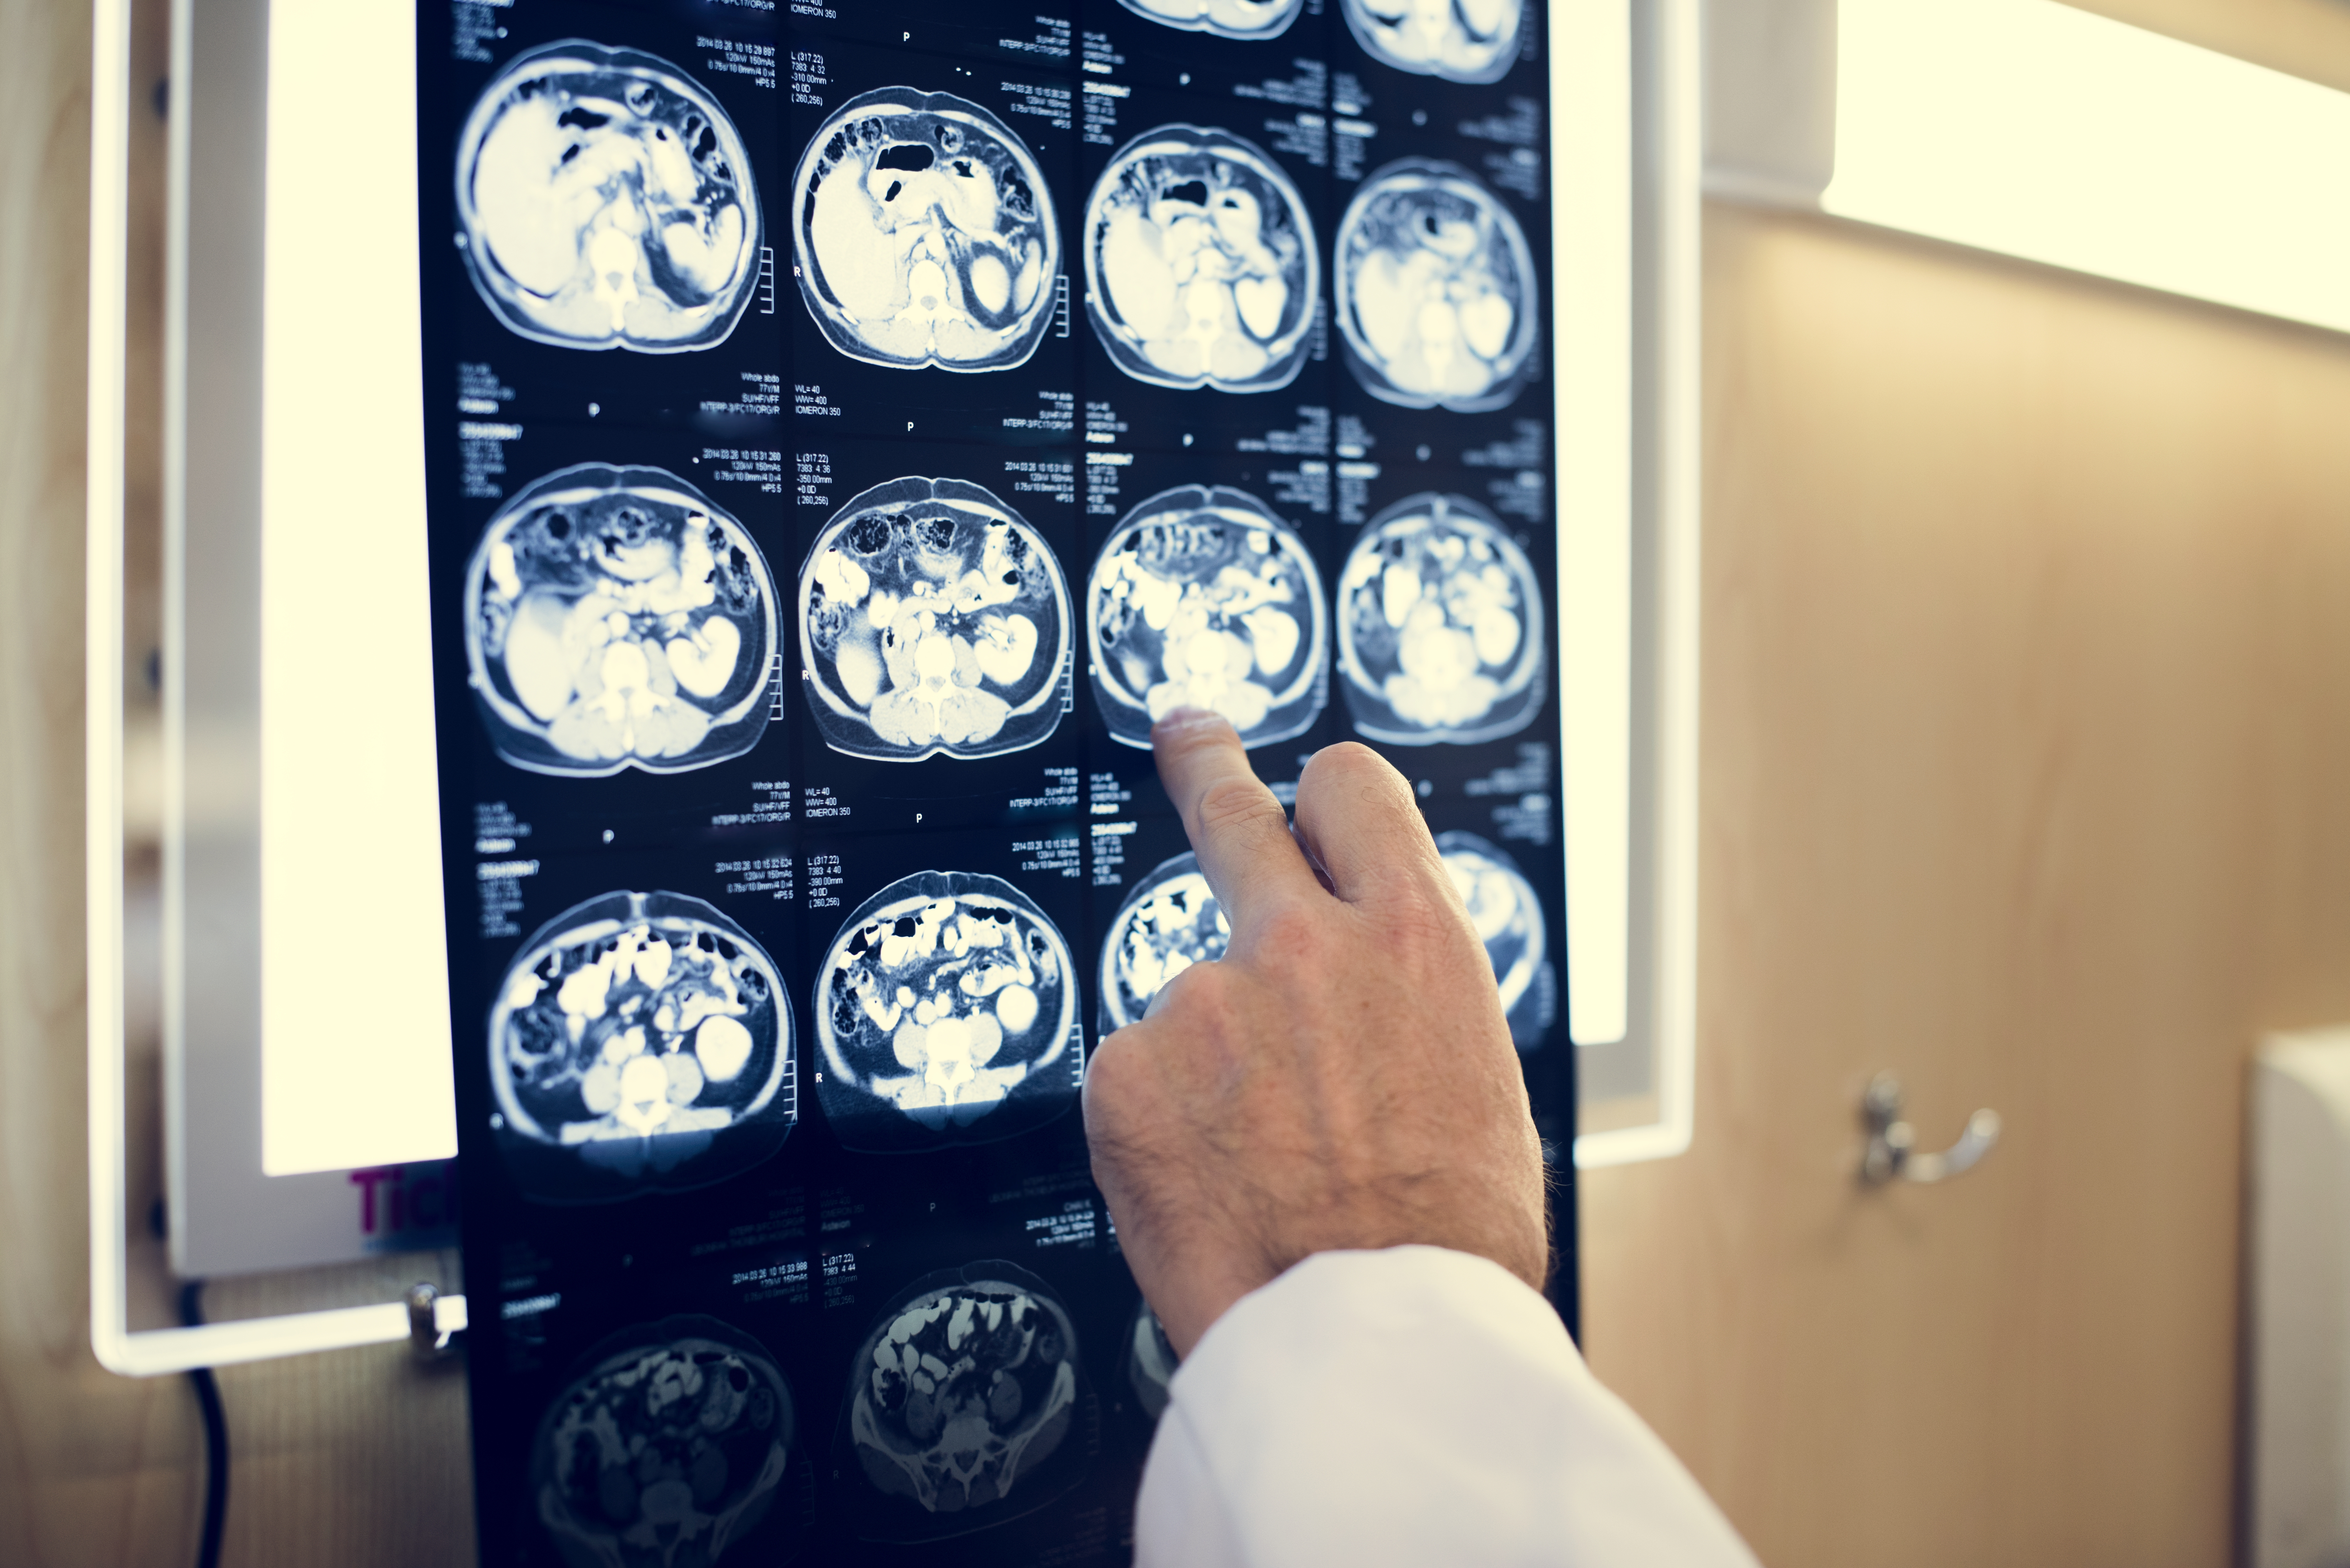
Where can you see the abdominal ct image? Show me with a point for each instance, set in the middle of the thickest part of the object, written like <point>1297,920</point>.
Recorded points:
<point>926,233</point>
<point>1440,626</point>
<point>1201,265</point>
<point>607,203</point>
<point>1226,18</point>
<point>1435,290</point>
<point>614,619</point>
<point>1461,40</point>
<point>1170,922</point>
<point>1509,921</point>
<point>668,1449</point>
<point>961,1401</point>
<point>640,1042</point>
<point>947,1012</point>
<point>1203,598</point>
<point>934,621</point>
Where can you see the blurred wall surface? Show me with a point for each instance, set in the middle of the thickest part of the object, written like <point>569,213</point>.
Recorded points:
<point>2026,774</point>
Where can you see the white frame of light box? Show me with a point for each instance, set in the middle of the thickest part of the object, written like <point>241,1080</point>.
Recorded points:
<point>1625,165</point>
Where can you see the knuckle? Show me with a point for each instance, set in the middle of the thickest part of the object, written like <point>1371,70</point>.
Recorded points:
<point>1236,801</point>
<point>1425,924</point>
<point>1290,934</point>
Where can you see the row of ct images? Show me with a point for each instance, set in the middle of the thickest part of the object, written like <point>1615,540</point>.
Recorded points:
<point>643,1041</point>
<point>605,200</point>
<point>617,617</point>
<point>1462,40</point>
<point>677,1440</point>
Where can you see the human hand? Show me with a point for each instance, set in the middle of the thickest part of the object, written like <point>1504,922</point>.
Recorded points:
<point>1342,1077</point>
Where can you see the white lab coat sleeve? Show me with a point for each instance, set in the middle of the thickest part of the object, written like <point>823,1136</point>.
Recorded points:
<point>1410,1407</point>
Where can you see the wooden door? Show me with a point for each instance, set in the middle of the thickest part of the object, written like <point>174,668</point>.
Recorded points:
<point>2026,774</point>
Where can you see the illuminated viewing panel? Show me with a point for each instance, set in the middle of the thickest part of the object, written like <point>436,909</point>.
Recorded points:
<point>817,494</point>
<point>354,987</point>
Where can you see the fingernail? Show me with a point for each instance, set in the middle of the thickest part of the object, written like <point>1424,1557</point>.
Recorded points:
<point>1183,721</point>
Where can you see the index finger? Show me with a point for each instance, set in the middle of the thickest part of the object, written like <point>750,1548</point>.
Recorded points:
<point>1237,828</point>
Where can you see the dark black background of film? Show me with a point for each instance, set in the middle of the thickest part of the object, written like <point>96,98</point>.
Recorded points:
<point>764,1250</point>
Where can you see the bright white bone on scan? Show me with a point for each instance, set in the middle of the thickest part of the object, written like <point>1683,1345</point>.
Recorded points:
<point>1462,40</point>
<point>637,1026</point>
<point>933,621</point>
<point>617,619</point>
<point>942,995</point>
<point>1440,626</point>
<point>927,233</point>
<point>1508,918</point>
<point>607,199</point>
<point>1204,597</point>
<point>1225,18</point>
<point>961,1392</point>
<point>1435,290</point>
<point>1170,922</point>
<point>1201,263</point>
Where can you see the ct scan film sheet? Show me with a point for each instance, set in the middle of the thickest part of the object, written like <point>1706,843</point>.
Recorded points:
<point>849,425</point>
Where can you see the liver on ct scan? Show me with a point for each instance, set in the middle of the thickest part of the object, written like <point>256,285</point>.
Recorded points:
<point>640,1041</point>
<point>934,621</point>
<point>1246,19</point>
<point>962,1397</point>
<point>671,1448</point>
<point>946,1010</point>
<point>1204,596</point>
<point>1435,290</point>
<point>615,617</point>
<point>925,234</point>
<point>1202,268</point>
<point>608,201</point>
<point>1441,634</point>
<point>1461,40</point>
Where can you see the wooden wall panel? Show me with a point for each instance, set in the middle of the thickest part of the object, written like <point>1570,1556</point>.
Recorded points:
<point>93,1469</point>
<point>2026,774</point>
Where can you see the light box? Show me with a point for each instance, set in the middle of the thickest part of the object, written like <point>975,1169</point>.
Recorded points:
<point>308,1062</point>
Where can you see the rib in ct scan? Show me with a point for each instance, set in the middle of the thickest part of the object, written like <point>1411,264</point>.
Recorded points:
<point>926,233</point>
<point>640,1041</point>
<point>961,1394</point>
<point>669,1448</point>
<point>1225,18</point>
<point>1170,921</point>
<point>608,201</point>
<point>1440,626</point>
<point>947,1013</point>
<point>1435,290</point>
<point>615,617</point>
<point>934,621</point>
<point>1205,597</point>
<point>1509,919</point>
<point>1462,40</point>
<point>1201,265</point>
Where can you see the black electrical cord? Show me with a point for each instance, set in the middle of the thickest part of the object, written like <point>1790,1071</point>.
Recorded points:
<point>208,1401</point>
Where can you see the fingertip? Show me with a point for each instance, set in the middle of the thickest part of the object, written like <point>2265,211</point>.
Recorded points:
<point>1182,724</point>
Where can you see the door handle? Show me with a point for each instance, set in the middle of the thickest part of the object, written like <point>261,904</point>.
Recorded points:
<point>1892,1154</point>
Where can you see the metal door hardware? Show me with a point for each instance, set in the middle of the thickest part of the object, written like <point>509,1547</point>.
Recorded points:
<point>434,1321</point>
<point>1893,1155</point>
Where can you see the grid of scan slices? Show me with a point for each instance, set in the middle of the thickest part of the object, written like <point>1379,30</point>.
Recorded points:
<point>849,425</point>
